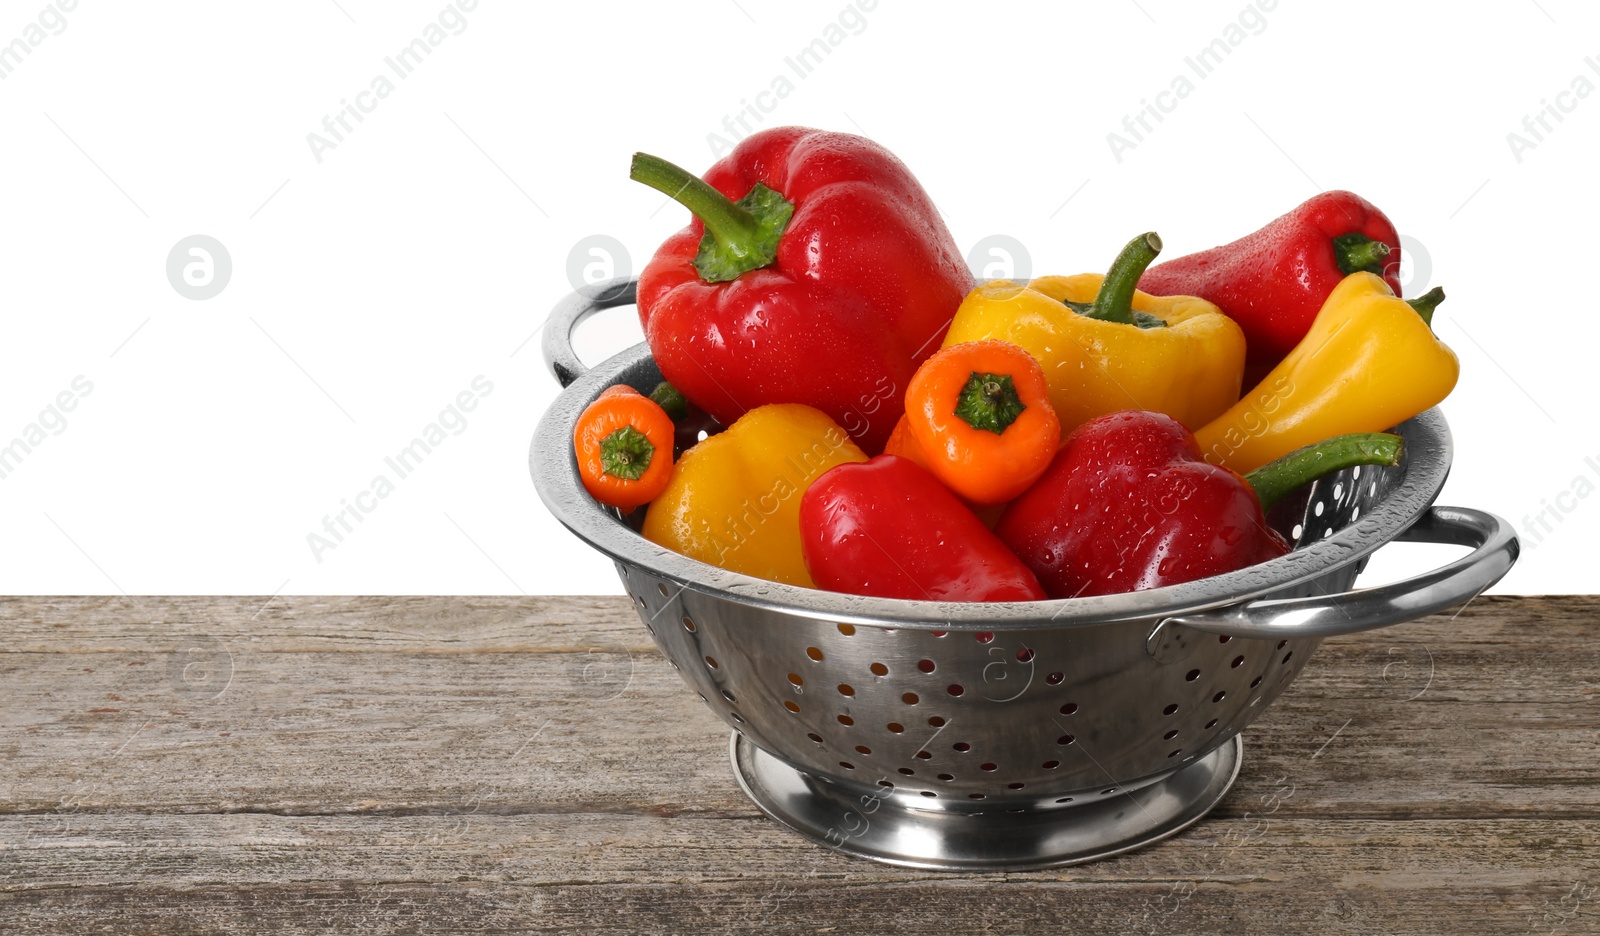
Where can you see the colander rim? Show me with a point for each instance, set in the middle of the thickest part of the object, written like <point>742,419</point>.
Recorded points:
<point>555,475</point>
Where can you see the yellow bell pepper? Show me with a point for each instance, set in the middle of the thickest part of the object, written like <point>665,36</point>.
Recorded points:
<point>734,499</point>
<point>1106,347</point>
<point>1369,362</point>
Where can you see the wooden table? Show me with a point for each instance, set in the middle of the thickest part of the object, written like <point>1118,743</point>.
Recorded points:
<point>492,765</point>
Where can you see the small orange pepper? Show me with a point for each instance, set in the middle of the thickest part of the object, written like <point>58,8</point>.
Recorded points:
<point>624,446</point>
<point>980,412</point>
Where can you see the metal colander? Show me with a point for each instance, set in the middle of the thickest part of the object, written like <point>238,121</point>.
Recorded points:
<point>1021,734</point>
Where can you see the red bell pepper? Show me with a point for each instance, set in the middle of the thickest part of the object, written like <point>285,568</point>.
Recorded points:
<point>828,282</point>
<point>1273,282</point>
<point>1130,503</point>
<point>886,527</point>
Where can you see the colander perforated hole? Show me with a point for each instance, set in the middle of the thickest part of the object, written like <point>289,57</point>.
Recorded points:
<point>1171,708</point>
<point>1191,676</point>
<point>878,669</point>
<point>1024,655</point>
<point>673,664</point>
<point>988,768</point>
<point>1223,638</point>
<point>846,720</point>
<point>736,717</point>
<point>984,637</point>
<point>1282,644</point>
<point>947,777</point>
<point>728,695</point>
<point>1170,735</point>
<point>1175,753</point>
<point>929,794</point>
<point>1065,740</point>
<point>814,654</point>
<point>688,623</point>
<point>847,765</point>
<point>640,599</point>
<point>1338,491</point>
<point>925,665</point>
<point>845,689</point>
<point>1237,662</point>
<point>1211,724</point>
<point>895,727</point>
<point>961,746</point>
<point>863,749</point>
<point>1317,509</point>
<point>703,698</point>
<point>1255,682</point>
<point>1069,708</point>
<point>1064,799</point>
<point>1297,531</point>
<point>1050,765</point>
<point>849,630</point>
<point>924,755</point>
<point>1286,656</point>
<point>1327,533</point>
<point>711,662</point>
<point>974,796</point>
<point>910,698</point>
<point>937,633</point>
<point>814,736</point>
<point>956,689</point>
<point>791,706</point>
<point>662,588</point>
<point>1054,679</point>
<point>648,627</point>
<point>1219,696</point>
<point>1014,786</point>
<point>795,679</point>
<point>936,722</point>
<point>908,771</point>
<point>1108,792</point>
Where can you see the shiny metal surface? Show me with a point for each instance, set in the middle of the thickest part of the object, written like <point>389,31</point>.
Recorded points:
<point>965,708</point>
<point>873,825</point>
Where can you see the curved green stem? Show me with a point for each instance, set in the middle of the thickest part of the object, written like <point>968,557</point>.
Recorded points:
<point>1355,252</point>
<point>740,236</point>
<point>1115,301</point>
<point>1427,302</point>
<point>1304,465</point>
<point>626,453</point>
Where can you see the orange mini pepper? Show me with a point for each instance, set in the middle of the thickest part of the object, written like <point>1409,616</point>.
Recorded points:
<point>624,446</point>
<point>981,414</point>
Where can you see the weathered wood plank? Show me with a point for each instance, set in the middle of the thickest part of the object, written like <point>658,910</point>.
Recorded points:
<point>451,764</point>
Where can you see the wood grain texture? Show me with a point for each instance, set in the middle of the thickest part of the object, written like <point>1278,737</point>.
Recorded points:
<point>490,765</point>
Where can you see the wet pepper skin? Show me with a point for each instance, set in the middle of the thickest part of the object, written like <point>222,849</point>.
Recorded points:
<point>888,528</point>
<point>1128,504</point>
<point>1274,281</point>
<point>861,292</point>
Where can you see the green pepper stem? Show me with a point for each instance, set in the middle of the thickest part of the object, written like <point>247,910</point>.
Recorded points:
<point>989,402</point>
<point>1115,301</point>
<point>1304,465</point>
<point>626,453</point>
<point>670,399</point>
<point>730,223</point>
<point>740,235</point>
<point>1427,302</point>
<point>1355,252</point>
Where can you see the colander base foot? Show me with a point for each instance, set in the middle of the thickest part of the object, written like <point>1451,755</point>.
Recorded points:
<point>877,827</point>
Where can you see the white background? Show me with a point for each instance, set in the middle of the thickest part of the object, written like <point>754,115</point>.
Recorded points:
<point>369,288</point>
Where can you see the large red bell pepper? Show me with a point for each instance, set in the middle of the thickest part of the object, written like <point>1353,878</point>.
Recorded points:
<point>886,527</point>
<point>1129,503</point>
<point>828,281</point>
<point>1273,282</point>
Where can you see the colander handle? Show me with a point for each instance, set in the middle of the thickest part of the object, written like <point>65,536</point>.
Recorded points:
<point>1494,550</point>
<point>569,312</point>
